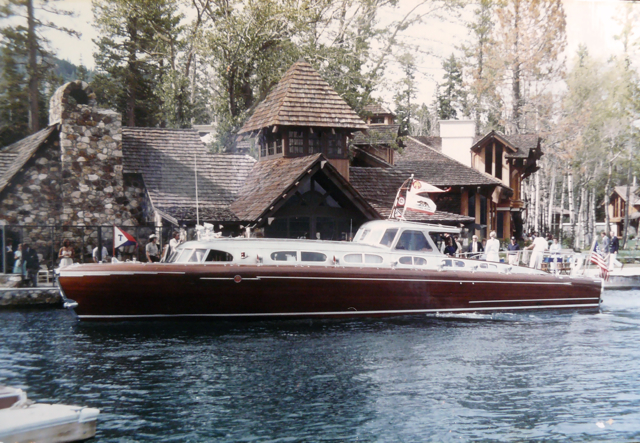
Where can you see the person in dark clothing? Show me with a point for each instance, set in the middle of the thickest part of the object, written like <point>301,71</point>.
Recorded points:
<point>450,248</point>
<point>475,248</point>
<point>513,249</point>
<point>614,246</point>
<point>32,263</point>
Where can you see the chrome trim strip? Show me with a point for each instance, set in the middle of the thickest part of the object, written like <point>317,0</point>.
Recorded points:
<point>347,313</point>
<point>415,280</point>
<point>228,278</point>
<point>534,299</point>
<point>104,273</point>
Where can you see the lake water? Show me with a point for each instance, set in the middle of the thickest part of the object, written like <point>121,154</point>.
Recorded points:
<point>506,377</point>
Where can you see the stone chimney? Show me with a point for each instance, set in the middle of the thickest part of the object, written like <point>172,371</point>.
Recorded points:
<point>91,158</point>
<point>457,139</point>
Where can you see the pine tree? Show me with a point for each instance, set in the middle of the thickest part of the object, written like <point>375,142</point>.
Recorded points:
<point>405,97</point>
<point>30,52</point>
<point>451,96</point>
<point>137,46</point>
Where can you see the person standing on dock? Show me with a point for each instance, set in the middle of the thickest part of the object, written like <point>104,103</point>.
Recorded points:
<point>31,263</point>
<point>514,253</point>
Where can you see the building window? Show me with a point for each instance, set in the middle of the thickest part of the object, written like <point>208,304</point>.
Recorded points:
<point>272,147</point>
<point>499,162</point>
<point>334,145</point>
<point>488,159</point>
<point>315,144</point>
<point>263,148</point>
<point>278,143</point>
<point>296,142</point>
<point>377,120</point>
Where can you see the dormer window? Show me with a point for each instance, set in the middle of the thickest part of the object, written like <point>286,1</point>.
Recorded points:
<point>377,120</point>
<point>296,142</point>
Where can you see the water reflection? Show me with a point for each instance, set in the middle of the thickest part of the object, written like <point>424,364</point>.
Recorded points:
<point>541,376</point>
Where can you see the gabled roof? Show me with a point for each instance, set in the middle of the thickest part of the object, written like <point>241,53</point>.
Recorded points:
<point>622,192</point>
<point>376,109</point>
<point>519,145</point>
<point>15,156</point>
<point>379,187</point>
<point>439,169</point>
<point>303,98</point>
<point>167,160</point>
<point>377,135</point>
<point>432,142</point>
<point>273,180</point>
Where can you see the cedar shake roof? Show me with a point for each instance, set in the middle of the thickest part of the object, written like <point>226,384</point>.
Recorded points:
<point>303,98</point>
<point>166,159</point>
<point>272,180</point>
<point>439,169</point>
<point>432,142</point>
<point>521,145</point>
<point>15,156</point>
<point>377,135</point>
<point>379,187</point>
<point>376,109</point>
<point>268,180</point>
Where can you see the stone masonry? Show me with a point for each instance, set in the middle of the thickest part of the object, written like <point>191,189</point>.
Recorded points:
<point>92,190</point>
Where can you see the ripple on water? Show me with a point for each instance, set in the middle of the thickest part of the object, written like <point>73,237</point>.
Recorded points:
<point>505,376</point>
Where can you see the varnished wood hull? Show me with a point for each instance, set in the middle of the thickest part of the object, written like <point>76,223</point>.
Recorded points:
<point>164,291</point>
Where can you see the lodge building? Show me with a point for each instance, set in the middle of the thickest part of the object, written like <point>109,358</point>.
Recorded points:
<point>321,171</point>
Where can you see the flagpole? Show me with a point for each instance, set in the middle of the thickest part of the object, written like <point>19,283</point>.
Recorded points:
<point>404,208</point>
<point>195,162</point>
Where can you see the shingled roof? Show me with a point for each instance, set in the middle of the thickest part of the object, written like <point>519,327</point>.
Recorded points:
<point>376,109</point>
<point>377,135</point>
<point>167,159</point>
<point>439,169</point>
<point>303,98</point>
<point>276,179</point>
<point>379,187</point>
<point>521,145</point>
<point>15,156</point>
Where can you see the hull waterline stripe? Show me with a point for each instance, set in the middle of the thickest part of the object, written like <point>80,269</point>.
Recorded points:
<point>346,313</point>
<point>414,279</point>
<point>534,299</point>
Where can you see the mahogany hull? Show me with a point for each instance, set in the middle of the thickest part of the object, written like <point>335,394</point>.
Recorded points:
<point>162,291</point>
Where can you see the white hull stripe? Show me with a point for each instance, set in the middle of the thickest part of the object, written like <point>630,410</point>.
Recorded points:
<point>534,299</point>
<point>345,313</point>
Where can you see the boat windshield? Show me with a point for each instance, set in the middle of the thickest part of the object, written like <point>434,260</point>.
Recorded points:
<point>389,235</point>
<point>411,240</point>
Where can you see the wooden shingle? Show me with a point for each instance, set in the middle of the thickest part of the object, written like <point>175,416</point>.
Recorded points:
<point>303,98</point>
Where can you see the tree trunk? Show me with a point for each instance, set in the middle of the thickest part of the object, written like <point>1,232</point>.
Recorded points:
<point>607,188</point>
<point>628,205</point>
<point>552,198</point>
<point>34,111</point>
<point>561,218</point>
<point>572,214</point>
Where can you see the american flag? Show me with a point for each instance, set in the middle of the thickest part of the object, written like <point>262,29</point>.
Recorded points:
<point>601,261</point>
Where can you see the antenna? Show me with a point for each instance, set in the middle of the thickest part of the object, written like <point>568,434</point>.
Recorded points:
<point>195,167</point>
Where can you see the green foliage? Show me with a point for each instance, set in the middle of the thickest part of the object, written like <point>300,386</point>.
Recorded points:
<point>451,97</point>
<point>136,61</point>
<point>405,96</point>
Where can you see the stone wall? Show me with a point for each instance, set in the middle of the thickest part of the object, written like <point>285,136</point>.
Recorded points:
<point>33,195</point>
<point>91,159</point>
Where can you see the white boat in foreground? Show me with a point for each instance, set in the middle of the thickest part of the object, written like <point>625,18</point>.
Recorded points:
<point>22,420</point>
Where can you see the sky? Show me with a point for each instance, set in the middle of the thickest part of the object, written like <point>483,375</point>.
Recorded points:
<point>589,22</point>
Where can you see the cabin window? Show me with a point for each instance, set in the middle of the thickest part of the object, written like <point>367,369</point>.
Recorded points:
<point>284,256</point>
<point>263,149</point>
<point>413,241</point>
<point>488,159</point>
<point>353,258</point>
<point>377,120</point>
<point>416,261</point>
<point>388,237</point>
<point>312,256</point>
<point>214,256</point>
<point>197,256</point>
<point>272,147</point>
<point>499,162</point>
<point>315,144</point>
<point>370,258</point>
<point>279,144</point>
<point>334,144</point>
<point>364,234</point>
<point>296,142</point>
<point>459,264</point>
<point>184,257</point>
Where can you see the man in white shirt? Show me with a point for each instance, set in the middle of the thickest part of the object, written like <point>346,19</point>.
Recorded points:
<point>105,254</point>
